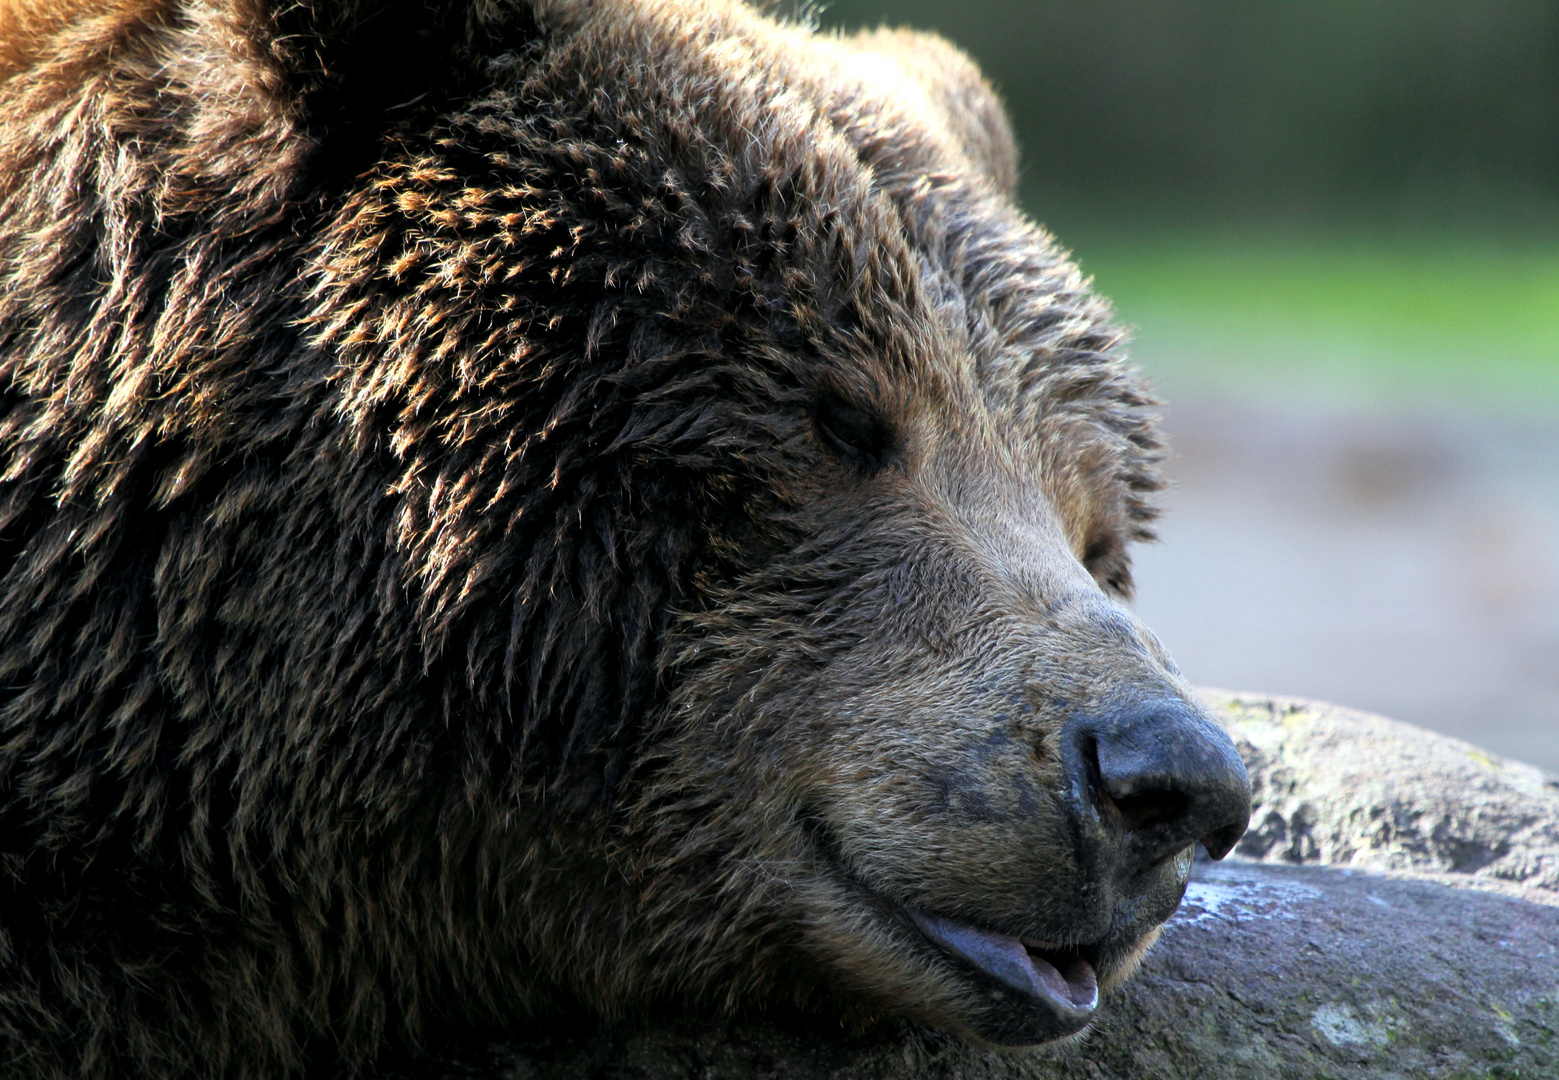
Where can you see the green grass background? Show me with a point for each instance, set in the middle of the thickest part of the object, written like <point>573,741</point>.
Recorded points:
<point>1352,198</point>
<point>1406,322</point>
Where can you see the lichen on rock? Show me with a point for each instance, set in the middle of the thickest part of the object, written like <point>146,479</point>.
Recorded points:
<point>1337,786</point>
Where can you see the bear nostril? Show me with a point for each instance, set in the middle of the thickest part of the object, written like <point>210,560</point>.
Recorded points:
<point>1220,842</point>
<point>1149,808</point>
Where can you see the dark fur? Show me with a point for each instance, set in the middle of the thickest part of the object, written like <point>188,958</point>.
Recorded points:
<point>486,488</point>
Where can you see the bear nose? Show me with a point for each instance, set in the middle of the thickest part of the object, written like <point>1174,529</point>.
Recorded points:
<point>1168,774</point>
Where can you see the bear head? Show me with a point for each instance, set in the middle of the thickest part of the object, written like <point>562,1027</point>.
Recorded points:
<point>595,501</point>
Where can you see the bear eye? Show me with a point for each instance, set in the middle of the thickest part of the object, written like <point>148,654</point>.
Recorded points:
<point>1105,558</point>
<point>859,434</point>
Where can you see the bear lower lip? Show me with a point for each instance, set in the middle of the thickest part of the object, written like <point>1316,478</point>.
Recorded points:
<point>1063,980</point>
<point>1032,993</point>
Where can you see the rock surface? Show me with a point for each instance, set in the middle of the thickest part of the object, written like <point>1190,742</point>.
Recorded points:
<point>1339,787</point>
<point>1422,942</point>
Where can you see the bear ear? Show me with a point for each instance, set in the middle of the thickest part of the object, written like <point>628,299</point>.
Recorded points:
<point>349,68</point>
<point>345,53</point>
<point>970,109</point>
<point>379,53</point>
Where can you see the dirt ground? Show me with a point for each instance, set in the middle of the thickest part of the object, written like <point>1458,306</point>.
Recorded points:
<point>1401,562</point>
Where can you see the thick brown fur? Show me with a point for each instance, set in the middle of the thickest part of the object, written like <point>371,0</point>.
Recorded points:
<point>515,507</point>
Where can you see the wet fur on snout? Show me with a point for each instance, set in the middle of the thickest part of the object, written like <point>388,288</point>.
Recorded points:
<point>508,508</point>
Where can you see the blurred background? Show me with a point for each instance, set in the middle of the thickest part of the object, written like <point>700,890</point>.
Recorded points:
<point>1334,225</point>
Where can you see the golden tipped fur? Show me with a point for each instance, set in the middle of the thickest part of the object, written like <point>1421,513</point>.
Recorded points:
<point>31,29</point>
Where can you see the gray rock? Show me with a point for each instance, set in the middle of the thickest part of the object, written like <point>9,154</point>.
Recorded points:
<point>1422,943</point>
<point>1300,972</point>
<point>1340,787</point>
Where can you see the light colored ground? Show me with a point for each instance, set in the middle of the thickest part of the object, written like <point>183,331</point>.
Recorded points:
<point>1366,461</point>
<point>1407,565</point>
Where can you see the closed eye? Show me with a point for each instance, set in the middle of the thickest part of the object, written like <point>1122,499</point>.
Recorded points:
<point>862,436</point>
<point>1106,559</point>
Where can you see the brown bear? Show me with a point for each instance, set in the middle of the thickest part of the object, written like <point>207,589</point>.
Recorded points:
<point>581,506</point>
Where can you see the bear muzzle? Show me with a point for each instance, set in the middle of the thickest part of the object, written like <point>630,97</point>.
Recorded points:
<point>1144,782</point>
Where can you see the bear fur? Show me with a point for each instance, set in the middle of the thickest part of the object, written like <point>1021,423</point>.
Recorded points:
<point>509,508</point>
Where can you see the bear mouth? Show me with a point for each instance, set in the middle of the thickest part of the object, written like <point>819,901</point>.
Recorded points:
<point>1030,991</point>
<point>1061,980</point>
